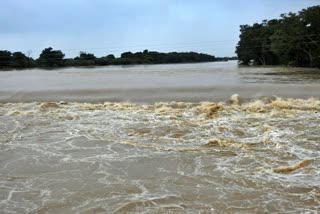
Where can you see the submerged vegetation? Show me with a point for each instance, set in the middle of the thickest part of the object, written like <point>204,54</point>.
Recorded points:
<point>50,58</point>
<point>293,39</point>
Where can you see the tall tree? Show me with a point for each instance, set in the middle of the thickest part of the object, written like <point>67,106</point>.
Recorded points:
<point>19,60</point>
<point>87,59</point>
<point>293,39</point>
<point>311,21</point>
<point>51,58</point>
<point>5,59</point>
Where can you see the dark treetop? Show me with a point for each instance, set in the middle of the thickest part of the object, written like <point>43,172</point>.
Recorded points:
<point>50,58</point>
<point>293,39</point>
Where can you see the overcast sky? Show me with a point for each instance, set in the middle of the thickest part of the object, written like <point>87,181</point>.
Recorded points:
<point>114,26</point>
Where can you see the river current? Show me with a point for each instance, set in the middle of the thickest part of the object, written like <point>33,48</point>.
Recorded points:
<point>176,139</point>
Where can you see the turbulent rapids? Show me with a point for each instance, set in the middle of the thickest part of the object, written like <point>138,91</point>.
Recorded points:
<point>261,155</point>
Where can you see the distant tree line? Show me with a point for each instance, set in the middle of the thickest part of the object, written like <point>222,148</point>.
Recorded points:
<point>50,58</point>
<point>293,39</point>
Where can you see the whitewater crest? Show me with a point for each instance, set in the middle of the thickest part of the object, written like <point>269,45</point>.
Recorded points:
<point>161,157</point>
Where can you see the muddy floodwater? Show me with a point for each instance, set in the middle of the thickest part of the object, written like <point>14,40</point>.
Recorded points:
<point>153,83</point>
<point>200,138</point>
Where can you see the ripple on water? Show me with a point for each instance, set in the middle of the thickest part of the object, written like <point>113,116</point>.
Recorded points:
<point>234,156</point>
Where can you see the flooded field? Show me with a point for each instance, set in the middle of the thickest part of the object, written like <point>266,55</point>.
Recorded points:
<point>226,153</point>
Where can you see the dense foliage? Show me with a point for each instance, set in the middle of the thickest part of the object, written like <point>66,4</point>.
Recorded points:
<point>50,58</point>
<point>293,39</point>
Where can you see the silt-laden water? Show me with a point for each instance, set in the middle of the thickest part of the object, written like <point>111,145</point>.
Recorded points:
<point>260,154</point>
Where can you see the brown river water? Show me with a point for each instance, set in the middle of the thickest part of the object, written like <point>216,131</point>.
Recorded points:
<point>188,138</point>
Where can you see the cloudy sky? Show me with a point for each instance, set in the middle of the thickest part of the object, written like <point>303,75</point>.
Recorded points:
<point>115,26</point>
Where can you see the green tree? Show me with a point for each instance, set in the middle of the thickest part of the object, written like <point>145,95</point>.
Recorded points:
<point>127,55</point>
<point>5,59</point>
<point>86,59</point>
<point>87,56</point>
<point>110,57</point>
<point>255,44</point>
<point>291,40</point>
<point>20,60</point>
<point>310,18</point>
<point>51,58</point>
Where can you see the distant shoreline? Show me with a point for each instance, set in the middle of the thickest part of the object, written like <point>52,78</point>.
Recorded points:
<point>50,58</point>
